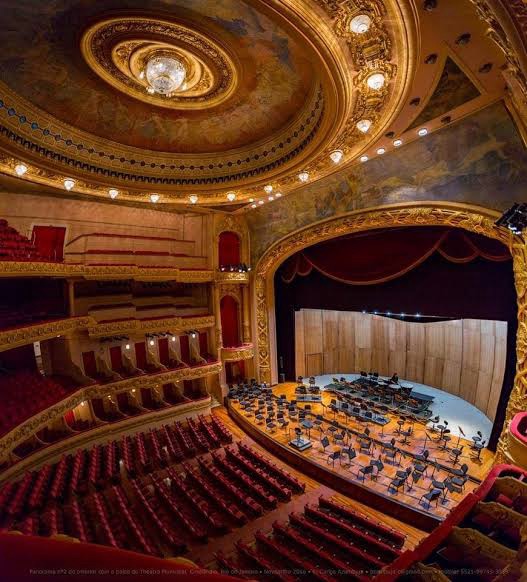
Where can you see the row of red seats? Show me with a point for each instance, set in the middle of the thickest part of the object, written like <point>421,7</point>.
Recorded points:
<point>23,394</point>
<point>197,437</point>
<point>278,488</point>
<point>14,246</point>
<point>254,489</point>
<point>211,436</point>
<point>291,481</point>
<point>184,440</point>
<point>163,528</point>
<point>223,432</point>
<point>174,450</point>
<point>39,489</point>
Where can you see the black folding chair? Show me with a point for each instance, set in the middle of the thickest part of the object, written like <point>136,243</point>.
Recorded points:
<point>334,456</point>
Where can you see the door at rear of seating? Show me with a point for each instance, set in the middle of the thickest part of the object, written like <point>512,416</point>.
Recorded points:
<point>88,361</point>
<point>116,358</point>
<point>140,355</point>
<point>162,345</point>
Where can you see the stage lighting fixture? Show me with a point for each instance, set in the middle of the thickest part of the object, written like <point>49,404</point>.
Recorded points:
<point>515,219</point>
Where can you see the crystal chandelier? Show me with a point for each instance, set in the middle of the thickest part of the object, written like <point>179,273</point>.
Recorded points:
<point>164,74</point>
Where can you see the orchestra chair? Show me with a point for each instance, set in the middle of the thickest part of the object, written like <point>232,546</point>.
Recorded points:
<point>390,452</point>
<point>406,434</point>
<point>270,425</point>
<point>477,438</point>
<point>416,477</point>
<point>431,496</point>
<point>365,470</point>
<point>378,465</point>
<point>324,441</point>
<point>455,454</point>
<point>396,484</point>
<point>477,448</point>
<point>350,452</point>
<point>319,419</point>
<point>461,472</point>
<point>260,419</point>
<point>334,456</point>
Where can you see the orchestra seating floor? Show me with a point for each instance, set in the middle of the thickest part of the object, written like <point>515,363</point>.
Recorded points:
<point>457,411</point>
<point>204,554</point>
<point>316,455</point>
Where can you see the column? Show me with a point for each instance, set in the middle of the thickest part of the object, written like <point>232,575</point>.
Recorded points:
<point>246,321</point>
<point>71,298</point>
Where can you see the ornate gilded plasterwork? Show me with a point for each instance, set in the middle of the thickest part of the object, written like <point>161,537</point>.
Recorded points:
<point>103,272</point>
<point>13,338</point>
<point>245,352</point>
<point>232,291</point>
<point>173,324</point>
<point>473,219</point>
<point>223,277</point>
<point>23,431</point>
<point>117,49</point>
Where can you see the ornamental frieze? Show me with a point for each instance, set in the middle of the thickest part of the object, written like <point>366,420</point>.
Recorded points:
<point>238,353</point>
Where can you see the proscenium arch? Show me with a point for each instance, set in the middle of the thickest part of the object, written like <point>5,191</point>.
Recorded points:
<point>472,218</point>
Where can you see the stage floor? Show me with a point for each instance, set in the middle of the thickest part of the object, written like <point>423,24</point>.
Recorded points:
<point>457,411</point>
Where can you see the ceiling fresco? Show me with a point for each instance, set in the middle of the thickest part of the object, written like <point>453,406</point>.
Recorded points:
<point>40,60</point>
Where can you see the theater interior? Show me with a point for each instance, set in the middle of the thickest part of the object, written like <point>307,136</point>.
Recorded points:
<point>263,290</point>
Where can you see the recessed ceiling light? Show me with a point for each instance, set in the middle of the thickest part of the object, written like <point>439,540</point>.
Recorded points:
<point>268,189</point>
<point>251,199</point>
<point>260,201</point>
<point>398,143</point>
<point>193,198</point>
<point>422,132</point>
<point>253,205</point>
<point>375,81</point>
<point>303,176</point>
<point>271,198</point>
<point>364,159</point>
<point>69,183</point>
<point>113,193</point>
<point>231,196</point>
<point>360,24</point>
<point>381,151</point>
<point>336,156</point>
<point>20,169</point>
<point>154,198</point>
<point>364,125</point>
<point>278,194</point>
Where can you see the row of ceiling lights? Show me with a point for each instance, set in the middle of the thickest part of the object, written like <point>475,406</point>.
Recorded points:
<point>335,156</point>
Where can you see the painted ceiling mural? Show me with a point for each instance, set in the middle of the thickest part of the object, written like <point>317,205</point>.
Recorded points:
<point>480,160</point>
<point>41,61</point>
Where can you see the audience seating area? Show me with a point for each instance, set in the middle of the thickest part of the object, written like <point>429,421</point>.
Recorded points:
<point>16,247</point>
<point>324,538</point>
<point>129,494</point>
<point>24,393</point>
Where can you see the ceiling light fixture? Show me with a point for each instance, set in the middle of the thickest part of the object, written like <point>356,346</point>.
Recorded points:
<point>193,198</point>
<point>20,169</point>
<point>422,132</point>
<point>360,24</point>
<point>69,183</point>
<point>381,151</point>
<point>336,156</point>
<point>268,189</point>
<point>398,143</point>
<point>231,196</point>
<point>260,202</point>
<point>113,193</point>
<point>278,195</point>
<point>303,176</point>
<point>375,81</point>
<point>251,199</point>
<point>154,198</point>
<point>271,198</point>
<point>165,74</point>
<point>253,205</point>
<point>364,159</point>
<point>364,125</point>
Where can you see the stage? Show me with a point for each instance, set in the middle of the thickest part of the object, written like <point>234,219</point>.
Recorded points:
<point>403,504</point>
<point>457,411</point>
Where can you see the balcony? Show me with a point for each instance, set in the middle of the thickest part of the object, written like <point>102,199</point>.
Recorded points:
<point>232,277</point>
<point>237,353</point>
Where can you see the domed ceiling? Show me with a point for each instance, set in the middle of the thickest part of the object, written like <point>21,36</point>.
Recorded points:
<point>268,92</point>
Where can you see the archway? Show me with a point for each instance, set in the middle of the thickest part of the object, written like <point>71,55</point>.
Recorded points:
<point>471,218</point>
<point>230,321</point>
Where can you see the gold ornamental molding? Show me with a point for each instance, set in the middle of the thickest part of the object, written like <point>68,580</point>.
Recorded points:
<point>103,272</point>
<point>28,428</point>
<point>228,277</point>
<point>471,218</point>
<point>244,352</point>
<point>118,49</point>
<point>20,336</point>
<point>138,327</point>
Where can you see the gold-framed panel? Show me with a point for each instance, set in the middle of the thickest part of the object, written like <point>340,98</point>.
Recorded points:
<point>471,218</point>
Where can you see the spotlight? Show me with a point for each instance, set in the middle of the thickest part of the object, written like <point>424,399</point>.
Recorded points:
<point>388,313</point>
<point>515,219</point>
<point>403,314</point>
<point>20,169</point>
<point>418,315</point>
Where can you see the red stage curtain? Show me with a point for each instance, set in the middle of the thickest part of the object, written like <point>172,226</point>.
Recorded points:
<point>185,348</point>
<point>163,350</point>
<point>90,367</point>
<point>116,358</point>
<point>381,255</point>
<point>229,322</point>
<point>140,355</point>
<point>49,241</point>
<point>229,248</point>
